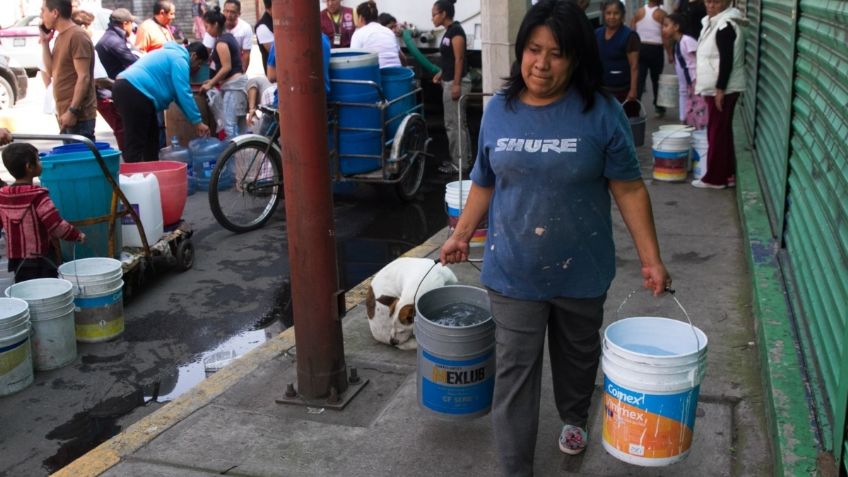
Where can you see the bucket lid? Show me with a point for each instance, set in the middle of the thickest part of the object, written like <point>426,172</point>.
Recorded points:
<point>90,267</point>
<point>341,58</point>
<point>12,308</point>
<point>41,290</point>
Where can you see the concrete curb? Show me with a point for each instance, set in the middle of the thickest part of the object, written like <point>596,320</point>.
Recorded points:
<point>109,454</point>
<point>789,414</point>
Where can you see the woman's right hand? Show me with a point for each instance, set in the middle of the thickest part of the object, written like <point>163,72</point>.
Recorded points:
<point>201,130</point>
<point>437,78</point>
<point>454,251</point>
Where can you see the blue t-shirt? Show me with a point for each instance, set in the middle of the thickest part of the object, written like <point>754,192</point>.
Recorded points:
<point>550,226</point>
<point>325,55</point>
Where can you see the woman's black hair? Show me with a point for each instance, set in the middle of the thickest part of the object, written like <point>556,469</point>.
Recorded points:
<point>367,11</point>
<point>576,40</point>
<point>446,6</point>
<point>386,19</point>
<point>617,3</point>
<point>215,17</point>
<point>199,50</point>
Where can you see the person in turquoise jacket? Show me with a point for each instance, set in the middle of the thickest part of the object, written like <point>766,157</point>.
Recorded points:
<point>150,85</point>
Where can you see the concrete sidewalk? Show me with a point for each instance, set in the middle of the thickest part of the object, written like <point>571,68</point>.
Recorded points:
<point>231,424</point>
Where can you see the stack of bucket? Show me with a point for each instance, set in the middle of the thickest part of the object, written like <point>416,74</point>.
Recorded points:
<point>653,368</point>
<point>670,150</point>
<point>700,148</point>
<point>456,194</point>
<point>97,287</point>
<point>51,311</point>
<point>15,350</point>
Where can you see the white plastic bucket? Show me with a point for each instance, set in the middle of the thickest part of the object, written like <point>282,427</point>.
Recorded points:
<point>51,305</point>
<point>670,151</point>
<point>668,91</point>
<point>456,364</point>
<point>653,368</point>
<point>700,148</point>
<point>90,276</point>
<point>15,350</point>
<point>456,195</point>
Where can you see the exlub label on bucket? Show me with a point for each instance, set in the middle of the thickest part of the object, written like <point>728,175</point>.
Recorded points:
<point>456,387</point>
<point>648,425</point>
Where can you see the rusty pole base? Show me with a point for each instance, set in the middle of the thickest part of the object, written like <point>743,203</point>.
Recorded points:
<point>334,401</point>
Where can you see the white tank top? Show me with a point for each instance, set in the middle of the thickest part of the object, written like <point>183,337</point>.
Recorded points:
<point>649,30</point>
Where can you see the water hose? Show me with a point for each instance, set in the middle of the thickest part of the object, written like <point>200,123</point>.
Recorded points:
<point>416,53</point>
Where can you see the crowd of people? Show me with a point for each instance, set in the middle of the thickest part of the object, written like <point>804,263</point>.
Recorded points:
<point>704,41</point>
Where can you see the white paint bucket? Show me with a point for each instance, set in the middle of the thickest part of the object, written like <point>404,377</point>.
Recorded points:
<point>668,91</point>
<point>653,369</point>
<point>98,297</point>
<point>51,305</point>
<point>456,194</point>
<point>15,350</point>
<point>456,364</point>
<point>670,150</point>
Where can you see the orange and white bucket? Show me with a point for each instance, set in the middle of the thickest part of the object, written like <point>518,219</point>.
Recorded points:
<point>653,368</point>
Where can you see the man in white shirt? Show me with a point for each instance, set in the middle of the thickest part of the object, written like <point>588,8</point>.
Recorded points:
<point>239,29</point>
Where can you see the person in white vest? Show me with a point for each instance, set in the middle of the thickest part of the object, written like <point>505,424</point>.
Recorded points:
<point>721,78</point>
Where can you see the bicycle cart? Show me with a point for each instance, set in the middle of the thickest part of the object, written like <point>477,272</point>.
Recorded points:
<point>173,249</point>
<point>247,183</point>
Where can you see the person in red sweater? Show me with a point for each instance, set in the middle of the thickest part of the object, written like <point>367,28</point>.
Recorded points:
<point>29,217</point>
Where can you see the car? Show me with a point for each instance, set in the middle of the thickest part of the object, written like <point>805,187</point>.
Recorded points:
<point>13,82</point>
<point>21,40</point>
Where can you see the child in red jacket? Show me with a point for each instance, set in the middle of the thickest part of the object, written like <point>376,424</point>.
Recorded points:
<point>29,217</point>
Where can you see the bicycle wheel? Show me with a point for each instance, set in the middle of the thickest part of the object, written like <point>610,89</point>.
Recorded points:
<point>246,186</point>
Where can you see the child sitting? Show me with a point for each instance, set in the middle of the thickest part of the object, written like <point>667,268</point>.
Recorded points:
<point>29,217</point>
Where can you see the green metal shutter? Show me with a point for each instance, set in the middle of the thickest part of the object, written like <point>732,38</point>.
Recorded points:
<point>751,9</point>
<point>774,86</point>
<point>816,223</point>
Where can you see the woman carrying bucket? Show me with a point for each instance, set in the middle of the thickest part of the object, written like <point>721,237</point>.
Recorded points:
<point>549,257</point>
<point>721,77</point>
<point>619,50</point>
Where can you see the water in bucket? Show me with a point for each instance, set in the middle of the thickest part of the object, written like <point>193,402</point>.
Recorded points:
<point>653,368</point>
<point>459,314</point>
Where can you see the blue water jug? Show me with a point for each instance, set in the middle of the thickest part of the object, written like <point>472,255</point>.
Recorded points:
<point>205,153</point>
<point>175,152</point>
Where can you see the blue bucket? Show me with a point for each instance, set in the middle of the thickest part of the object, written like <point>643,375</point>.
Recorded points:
<point>359,143</point>
<point>80,191</point>
<point>349,64</point>
<point>396,82</point>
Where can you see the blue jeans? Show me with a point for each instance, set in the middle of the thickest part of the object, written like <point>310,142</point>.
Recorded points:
<point>83,128</point>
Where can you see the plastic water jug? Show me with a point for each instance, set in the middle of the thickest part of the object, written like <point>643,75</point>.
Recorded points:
<point>142,191</point>
<point>175,152</point>
<point>205,153</point>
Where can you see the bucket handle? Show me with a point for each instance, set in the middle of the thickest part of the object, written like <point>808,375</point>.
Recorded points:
<point>642,112</point>
<point>671,292</point>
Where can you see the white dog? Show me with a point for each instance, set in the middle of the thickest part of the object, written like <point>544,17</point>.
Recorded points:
<point>389,302</point>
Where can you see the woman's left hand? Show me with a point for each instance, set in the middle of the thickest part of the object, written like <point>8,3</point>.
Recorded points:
<point>656,278</point>
<point>719,99</point>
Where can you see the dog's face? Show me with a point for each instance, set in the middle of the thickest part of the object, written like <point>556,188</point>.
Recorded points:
<point>390,321</point>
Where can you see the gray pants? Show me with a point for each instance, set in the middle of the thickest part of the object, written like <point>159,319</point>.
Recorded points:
<point>453,128</point>
<point>574,345</point>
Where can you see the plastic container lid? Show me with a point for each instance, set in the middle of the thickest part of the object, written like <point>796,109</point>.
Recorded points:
<point>79,147</point>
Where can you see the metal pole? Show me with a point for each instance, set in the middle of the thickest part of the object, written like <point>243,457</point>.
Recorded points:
<point>309,205</point>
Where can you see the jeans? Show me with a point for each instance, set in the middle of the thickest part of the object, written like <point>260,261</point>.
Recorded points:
<point>83,128</point>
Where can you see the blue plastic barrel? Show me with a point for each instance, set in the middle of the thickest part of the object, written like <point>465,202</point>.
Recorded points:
<point>396,82</point>
<point>349,64</point>
<point>80,191</point>
<point>204,153</point>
